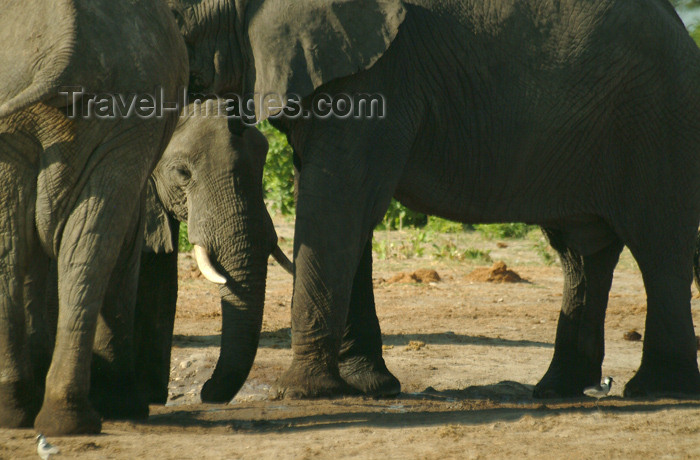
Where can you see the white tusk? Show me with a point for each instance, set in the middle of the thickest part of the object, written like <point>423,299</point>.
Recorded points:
<point>205,266</point>
<point>283,260</point>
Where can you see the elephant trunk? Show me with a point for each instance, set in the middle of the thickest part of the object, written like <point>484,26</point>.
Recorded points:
<point>242,312</point>
<point>242,302</point>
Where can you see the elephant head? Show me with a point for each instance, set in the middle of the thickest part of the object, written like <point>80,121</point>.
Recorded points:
<point>260,47</point>
<point>210,176</point>
<point>255,48</point>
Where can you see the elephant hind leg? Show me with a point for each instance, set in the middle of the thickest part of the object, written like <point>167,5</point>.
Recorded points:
<point>579,345</point>
<point>113,389</point>
<point>669,358</point>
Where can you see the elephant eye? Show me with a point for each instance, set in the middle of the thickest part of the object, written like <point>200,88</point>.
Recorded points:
<point>182,173</point>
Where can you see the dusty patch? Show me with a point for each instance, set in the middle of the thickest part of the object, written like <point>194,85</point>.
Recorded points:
<point>187,268</point>
<point>422,275</point>
<point>497,273</point>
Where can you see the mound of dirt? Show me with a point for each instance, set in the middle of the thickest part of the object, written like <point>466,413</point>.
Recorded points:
<point>497,273</point>
<point>424,275</point>
<point>632,336</point>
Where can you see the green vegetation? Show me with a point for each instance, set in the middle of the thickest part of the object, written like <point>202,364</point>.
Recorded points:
<point>399,216</point>
<point>278,175</point>
<point>545,251</point>
<point>495,231</point>
<point>183,243</point>
<point>440,225</point>
<point>413,247</point>
<point>450,251</point>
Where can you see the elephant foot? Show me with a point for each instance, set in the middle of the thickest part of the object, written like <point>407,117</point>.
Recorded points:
<point>369,377</point>
<point>304,382</point>
<point>662,378</point>
<point>118,401</point>
<point>156,396</point>
<point>67,418</point>
<point>19,404</point>
<point>564,380</point>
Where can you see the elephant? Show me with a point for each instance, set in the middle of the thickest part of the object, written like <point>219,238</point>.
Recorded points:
<point>205,178</point>
<point>578,116</point>
<point>73,180</point>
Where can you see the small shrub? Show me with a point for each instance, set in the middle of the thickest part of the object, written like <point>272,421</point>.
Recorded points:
<point>399,216</point>
<point>511,230</point>
<point>545,251</point>
<point>451,252</point>
<point>473,253</point>
<point>440,225</point>
<point>380,248</point>
<point>183,243</point>
<point>278,175</point>
<point>413,248</point>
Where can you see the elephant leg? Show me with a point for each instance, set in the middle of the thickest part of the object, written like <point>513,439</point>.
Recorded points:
<point>93,237</point>
<point>360,360</point>
<point>40,327</point>
<point>20,398</point>
<point>335,214</point>
<point>113,389</point>
<point>579,344</point>
<point>696,262</point>
<point>669,358</point>
<point>155,320</point>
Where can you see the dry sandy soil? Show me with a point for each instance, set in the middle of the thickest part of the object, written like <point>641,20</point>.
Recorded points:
<point>467,354</point>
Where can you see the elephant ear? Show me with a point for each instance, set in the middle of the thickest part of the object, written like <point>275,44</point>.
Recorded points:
<point>160,232</point>
<point>35,52</point>
<point>297,46</point>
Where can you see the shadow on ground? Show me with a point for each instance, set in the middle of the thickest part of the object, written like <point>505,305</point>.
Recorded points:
<point>505,401</point>
<point>281,338</point>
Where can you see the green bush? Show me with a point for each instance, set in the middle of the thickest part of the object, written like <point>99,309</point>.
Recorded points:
<point>183,244</point>
<point>399,216</point>
<point>278,175</point>
<point>450,251</point>
<point>440,225</point>
<point>512,230</point>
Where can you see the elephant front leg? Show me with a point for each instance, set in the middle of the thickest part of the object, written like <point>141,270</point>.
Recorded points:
<point>20,398</point>
<point>361,362</point>
<point>579,345</point>
<point>330,237</point>
<point>319,311</point>
<point>93,236</point>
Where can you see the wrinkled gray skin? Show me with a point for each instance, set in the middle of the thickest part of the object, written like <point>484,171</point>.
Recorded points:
<point>578,116</point>
<point>71,190</point>
<point>210,178</point>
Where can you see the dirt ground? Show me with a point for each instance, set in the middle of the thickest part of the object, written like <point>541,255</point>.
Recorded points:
<point>466,352</point>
